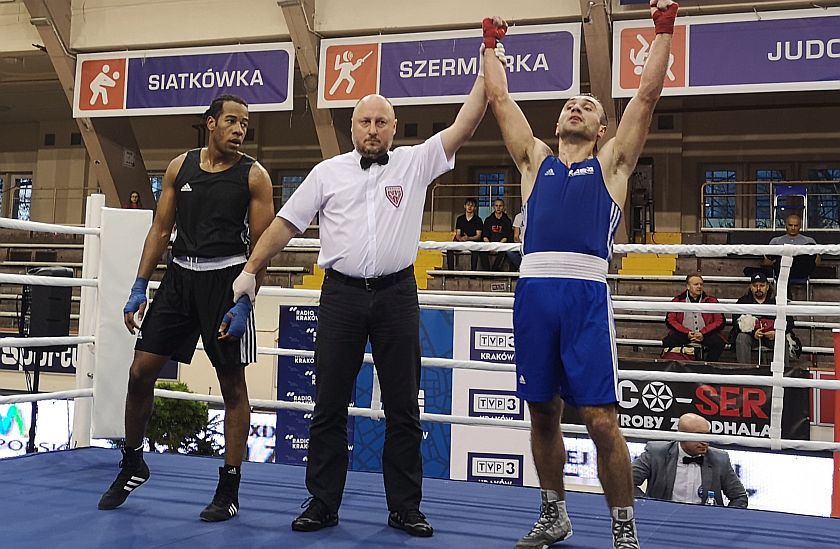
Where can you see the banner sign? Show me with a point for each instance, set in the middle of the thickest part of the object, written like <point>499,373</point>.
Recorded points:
<point>732,409</point>
<point>543,62</point>
<point>296,383</point>
<point>740,53</point>
<point>51,361</point>
<point>183,81</point>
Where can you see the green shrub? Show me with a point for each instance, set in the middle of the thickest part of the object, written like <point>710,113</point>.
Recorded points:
<point>181,425</point>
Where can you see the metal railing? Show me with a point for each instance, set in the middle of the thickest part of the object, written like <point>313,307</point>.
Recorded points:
<point>749,205</point>
<point>44,203</point>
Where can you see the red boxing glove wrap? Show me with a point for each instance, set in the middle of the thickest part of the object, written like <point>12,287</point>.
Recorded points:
<point>492,33</point>
<point>664,20</point>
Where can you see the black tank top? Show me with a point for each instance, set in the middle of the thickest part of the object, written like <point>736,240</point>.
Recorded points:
<point>211,209</point>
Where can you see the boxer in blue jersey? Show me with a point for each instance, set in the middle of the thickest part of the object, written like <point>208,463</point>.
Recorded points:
<point>563,325</point>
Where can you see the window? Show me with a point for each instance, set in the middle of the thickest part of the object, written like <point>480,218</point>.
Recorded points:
<point>156,181</point>
<point>288,184</point>
<point>490,187</point>
<point>824,199</point>
<point>719,199</point>
<point>763,197</point>
<point>22,193</point>
<point>2,193</point>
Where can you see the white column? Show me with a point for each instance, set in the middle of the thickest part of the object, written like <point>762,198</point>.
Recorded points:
<point>88,307</point>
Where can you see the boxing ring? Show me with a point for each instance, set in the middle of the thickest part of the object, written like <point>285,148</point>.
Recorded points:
<point>50,498</point>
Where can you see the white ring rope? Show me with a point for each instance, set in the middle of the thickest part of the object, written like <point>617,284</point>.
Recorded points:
<point>59,395</point>
<point>33,280</point>
<point>45,341</point>
<point>515,424</point>
<point>642,375</point>
<point>697,250</point>
<point>36,226</point>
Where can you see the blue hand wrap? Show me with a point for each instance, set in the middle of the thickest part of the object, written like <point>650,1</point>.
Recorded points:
<point>137,296</point>
<point>237,317</point>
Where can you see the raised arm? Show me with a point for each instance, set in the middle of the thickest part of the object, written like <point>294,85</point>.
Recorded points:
<point>526,151</point>
<point>620,154</point>
<point>468,119</point>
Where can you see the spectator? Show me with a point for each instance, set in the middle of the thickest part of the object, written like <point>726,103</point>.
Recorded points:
<point>515,256</point>
<point>497,228</point>
<point>751,331</point>
<point>695,330</point>
<point>468,228</point>
<point>134,201</point>
<point>803,265</point>
<point>687,471</point>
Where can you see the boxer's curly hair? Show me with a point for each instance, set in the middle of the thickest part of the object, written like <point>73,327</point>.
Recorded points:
<point>215,108</point>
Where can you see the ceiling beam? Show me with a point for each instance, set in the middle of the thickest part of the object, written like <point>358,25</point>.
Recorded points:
<point>110,142</point>
<point>299,16</point>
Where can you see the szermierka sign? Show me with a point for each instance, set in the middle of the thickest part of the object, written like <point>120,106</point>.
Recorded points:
<point>738,53</point>
<point>543,62</point>
<point>183,81</point>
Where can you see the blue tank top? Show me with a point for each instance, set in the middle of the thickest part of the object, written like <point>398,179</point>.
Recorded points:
<point>570,210</point>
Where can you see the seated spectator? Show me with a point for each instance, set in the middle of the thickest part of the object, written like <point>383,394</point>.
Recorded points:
<point>515,256</point>
<point>694,331</point>
<point>751,331</point>
<point>687,471</point>
<point>497,228</point>
<point>468,228</point>
<point>133,201</point>
<point>803,265</point>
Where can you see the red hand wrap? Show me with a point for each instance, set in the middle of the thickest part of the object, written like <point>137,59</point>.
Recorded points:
<point>492,33</point>
<point>664,20</point>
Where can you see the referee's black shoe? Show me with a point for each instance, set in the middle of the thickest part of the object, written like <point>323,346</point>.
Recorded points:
<point>315,516</point>
<point>412,521</point>
<point>225,504</point>
<point>133,474</point>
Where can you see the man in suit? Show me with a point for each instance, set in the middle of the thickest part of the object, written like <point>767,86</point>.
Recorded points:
<point>686,471</point>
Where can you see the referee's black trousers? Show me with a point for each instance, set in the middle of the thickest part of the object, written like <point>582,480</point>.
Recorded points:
<point>348,315</point>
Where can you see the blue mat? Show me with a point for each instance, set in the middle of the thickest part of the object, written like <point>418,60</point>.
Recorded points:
<point>49,500</point>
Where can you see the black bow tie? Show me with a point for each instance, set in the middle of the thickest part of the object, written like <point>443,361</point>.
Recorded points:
<point>693,459</point>
<point>366,162</point>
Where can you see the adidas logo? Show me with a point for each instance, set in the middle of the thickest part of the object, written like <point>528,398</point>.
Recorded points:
<point>589,170</point>
<point>133,483</point>
<point>186,188</point>
<point>550,171</point>
<point>522,380</point>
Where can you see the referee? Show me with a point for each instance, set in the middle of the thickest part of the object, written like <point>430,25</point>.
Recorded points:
<point>370,206</point>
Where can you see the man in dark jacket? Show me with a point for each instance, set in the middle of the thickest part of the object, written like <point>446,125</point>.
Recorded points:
<point>693,329</point>
<point>497,228</point>
<point>687,471</point>
<point>750,331</point>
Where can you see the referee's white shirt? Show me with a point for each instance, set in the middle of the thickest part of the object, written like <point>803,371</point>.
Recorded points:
<point>369,219</point>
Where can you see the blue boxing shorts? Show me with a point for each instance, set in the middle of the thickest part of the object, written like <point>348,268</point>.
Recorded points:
<point>565,341</point>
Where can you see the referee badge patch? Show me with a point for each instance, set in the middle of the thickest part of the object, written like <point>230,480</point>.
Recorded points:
<point>394,194</point>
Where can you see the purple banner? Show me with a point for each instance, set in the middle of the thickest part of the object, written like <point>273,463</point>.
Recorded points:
<point>540,62</point>
<point>195,80</point>
<point>767,51</point>
<point>296,383</point>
